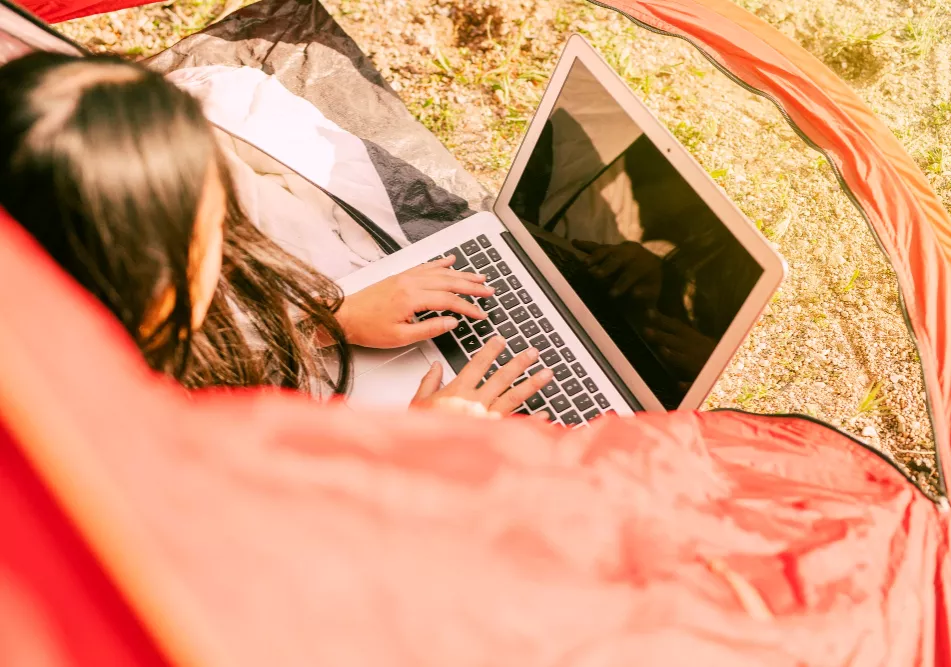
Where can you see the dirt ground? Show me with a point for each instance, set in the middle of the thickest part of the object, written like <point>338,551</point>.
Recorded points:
<point>832,343</point>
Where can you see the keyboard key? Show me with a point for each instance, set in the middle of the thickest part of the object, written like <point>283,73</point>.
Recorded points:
<point>546,325</point>
<point>590,385</point>
<point>592,414</point>
<point>509,301</point>
<point>579,369</point>
<point>467,269</point>
<point>461,260</point>
<point>535,401</point>
<point>501,287</point>
<point>466,297</point>
<point>507,329</point>
<point>550,413</point>
<point>571,418</point>
<point>470,247</point>
<point>529,329</point>
<point>571,387</point>
<point>560,403</point>
<point>493,254</point>
<point>479,260</point>
<point>504,268</point>
<point>436,258</point>
<point>449,313</point>
<point>462,330</point>
<point>498,316</point>
<point>483,240</point>
<point>426,316</point>
<point>451,351</point>
<point>504,357</point>
<point>519,380</point>
<point>537,368</point>
<point>540,343</point>
<point>602,401</point>
<point>518,344</point>
<point>471,344</point>
<point>483,328</point>
<point>520,315</point>
<point>491,273</point>
<point>522,411</point>
<point>514,282</point>
<point>492,370</point>
<point>524,296</point>
<point>583,402</point>
<point>568,355</point>
<point>487,303</point>
<point>550,357</point>
<point>561,372</point>
<point>550,389</point>
<point>557,340</point>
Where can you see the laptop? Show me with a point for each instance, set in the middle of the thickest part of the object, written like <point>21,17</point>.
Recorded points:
<point>612,252</point>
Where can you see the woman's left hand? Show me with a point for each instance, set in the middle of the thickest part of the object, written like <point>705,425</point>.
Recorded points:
<point>381,316</point>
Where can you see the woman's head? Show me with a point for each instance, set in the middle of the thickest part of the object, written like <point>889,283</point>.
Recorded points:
<point>114,172</point>
<point>117,174</point>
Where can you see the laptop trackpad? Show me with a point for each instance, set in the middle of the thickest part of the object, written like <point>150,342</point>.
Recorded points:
<point>390,382</point>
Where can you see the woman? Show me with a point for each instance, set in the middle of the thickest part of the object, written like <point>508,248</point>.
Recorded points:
<point>117,174</point>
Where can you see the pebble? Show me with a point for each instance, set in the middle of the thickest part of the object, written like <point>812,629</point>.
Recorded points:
<point>869,432</point>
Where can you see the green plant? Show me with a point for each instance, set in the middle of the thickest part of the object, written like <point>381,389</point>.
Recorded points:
<point>873,401</point>
<point>850,285</point>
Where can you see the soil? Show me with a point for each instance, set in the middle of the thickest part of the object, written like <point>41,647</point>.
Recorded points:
<point>833,342</point>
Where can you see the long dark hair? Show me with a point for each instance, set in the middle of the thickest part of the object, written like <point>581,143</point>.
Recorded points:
<point>105,163</point>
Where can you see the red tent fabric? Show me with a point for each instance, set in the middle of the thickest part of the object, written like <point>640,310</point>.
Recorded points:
<point>265,529</point>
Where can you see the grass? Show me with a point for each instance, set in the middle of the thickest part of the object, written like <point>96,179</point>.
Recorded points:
<point>873,401</point>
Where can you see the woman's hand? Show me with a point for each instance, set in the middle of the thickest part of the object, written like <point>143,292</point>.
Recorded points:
<point>381,315</point>
<point>679,344</point>
<point>494,395</point>
<point>630,269</point>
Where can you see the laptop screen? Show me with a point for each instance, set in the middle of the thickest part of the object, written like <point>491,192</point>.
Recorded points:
<point>658,269</point>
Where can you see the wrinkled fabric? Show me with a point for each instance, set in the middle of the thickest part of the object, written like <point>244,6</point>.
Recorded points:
<point>287,532</point>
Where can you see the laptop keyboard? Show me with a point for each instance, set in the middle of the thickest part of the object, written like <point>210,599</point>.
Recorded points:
<point>571,398</point>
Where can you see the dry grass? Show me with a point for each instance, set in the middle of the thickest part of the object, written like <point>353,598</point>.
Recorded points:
<point>832,343</point>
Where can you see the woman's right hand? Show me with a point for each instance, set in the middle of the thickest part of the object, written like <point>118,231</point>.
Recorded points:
<point>495,395</point>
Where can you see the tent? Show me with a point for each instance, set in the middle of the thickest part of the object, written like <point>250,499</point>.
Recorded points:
<point>143,526</point>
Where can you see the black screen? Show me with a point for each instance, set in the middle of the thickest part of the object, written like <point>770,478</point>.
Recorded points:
<point>658,269</point>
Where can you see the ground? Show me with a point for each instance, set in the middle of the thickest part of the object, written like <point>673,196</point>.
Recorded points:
<point>833,342</point>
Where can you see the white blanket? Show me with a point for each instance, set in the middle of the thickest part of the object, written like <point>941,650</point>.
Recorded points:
<point>278,146</point>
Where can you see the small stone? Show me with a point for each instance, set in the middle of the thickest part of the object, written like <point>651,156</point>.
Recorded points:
<point>895,379</point>
<point>915,426</point>
<point>869,432</point>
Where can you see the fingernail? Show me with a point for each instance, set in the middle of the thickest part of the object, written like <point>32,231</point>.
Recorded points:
<point>545,374</point>
<point>490,288</point>
<point>450,323</point>
<point>532,353</point>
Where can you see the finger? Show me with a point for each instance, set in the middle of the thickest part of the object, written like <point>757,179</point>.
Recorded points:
<point>585,246</point>
<point>664,323</point>
<point>442,263</point>
<point>662,338</point>
<point>518,394</point>
<point>627,280</point>
<point>539,417</point>
<point>454,285</point>
<point>461,275</point>
<point>431,300</point>
<point>413,332</point>
<point>600,254</point>
<point>472,373</point>
<point>505,376</point>
<point>613,263</point>
<point>429,385</point>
